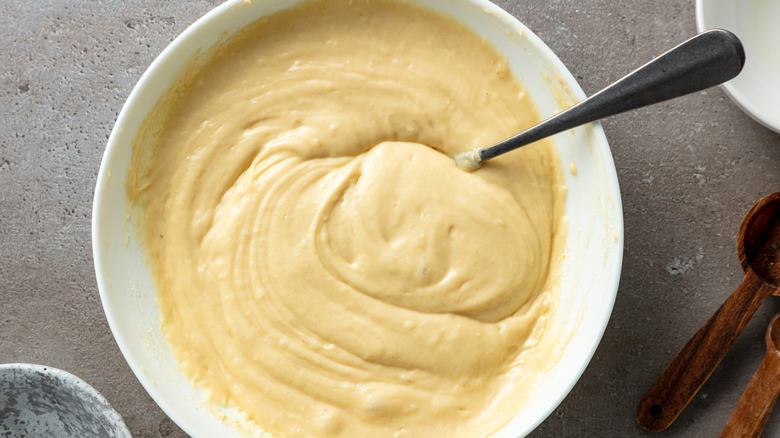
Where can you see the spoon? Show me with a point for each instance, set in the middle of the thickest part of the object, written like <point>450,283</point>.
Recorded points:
<point>756,403</point>
<point>758,246</point>
<point>708,59</point>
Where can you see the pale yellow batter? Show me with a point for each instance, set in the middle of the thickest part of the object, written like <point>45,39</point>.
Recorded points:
<point>319,259</point>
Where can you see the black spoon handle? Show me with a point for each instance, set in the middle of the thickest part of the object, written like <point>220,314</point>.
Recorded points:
<point>708,59</point>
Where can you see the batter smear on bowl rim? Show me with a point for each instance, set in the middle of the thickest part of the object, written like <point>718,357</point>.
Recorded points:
<point>320,262</point>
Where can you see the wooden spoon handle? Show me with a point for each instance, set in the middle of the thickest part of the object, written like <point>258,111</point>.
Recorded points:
<point>681,380</point>
<point>753,409</point>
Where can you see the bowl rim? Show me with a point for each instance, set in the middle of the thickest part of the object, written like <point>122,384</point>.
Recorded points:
<point>612,273</point>
<point>103,175</point>
<point>735,93</point>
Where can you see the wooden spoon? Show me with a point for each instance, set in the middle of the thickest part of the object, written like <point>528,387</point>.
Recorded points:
<point>756,403</point>
<point>758,245</point>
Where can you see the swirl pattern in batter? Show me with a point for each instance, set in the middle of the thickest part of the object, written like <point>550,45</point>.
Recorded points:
<point>320,262</point>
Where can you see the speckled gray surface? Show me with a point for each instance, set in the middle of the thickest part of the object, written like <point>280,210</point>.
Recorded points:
<point>40,401</point>
<point>689,170</point>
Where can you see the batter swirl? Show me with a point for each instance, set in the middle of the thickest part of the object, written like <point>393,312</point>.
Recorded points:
<point>319,260</point>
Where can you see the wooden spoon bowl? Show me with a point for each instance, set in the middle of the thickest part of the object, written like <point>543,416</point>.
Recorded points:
<point>758,242</point>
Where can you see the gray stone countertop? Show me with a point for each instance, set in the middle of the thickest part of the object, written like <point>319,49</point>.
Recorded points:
<point>689,170</point>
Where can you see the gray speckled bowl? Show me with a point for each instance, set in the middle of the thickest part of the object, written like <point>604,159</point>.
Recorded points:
<point>41,401</point>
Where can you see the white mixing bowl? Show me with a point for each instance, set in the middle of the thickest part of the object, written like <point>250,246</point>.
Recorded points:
<point>594,246</point>
<point>757,24</point>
